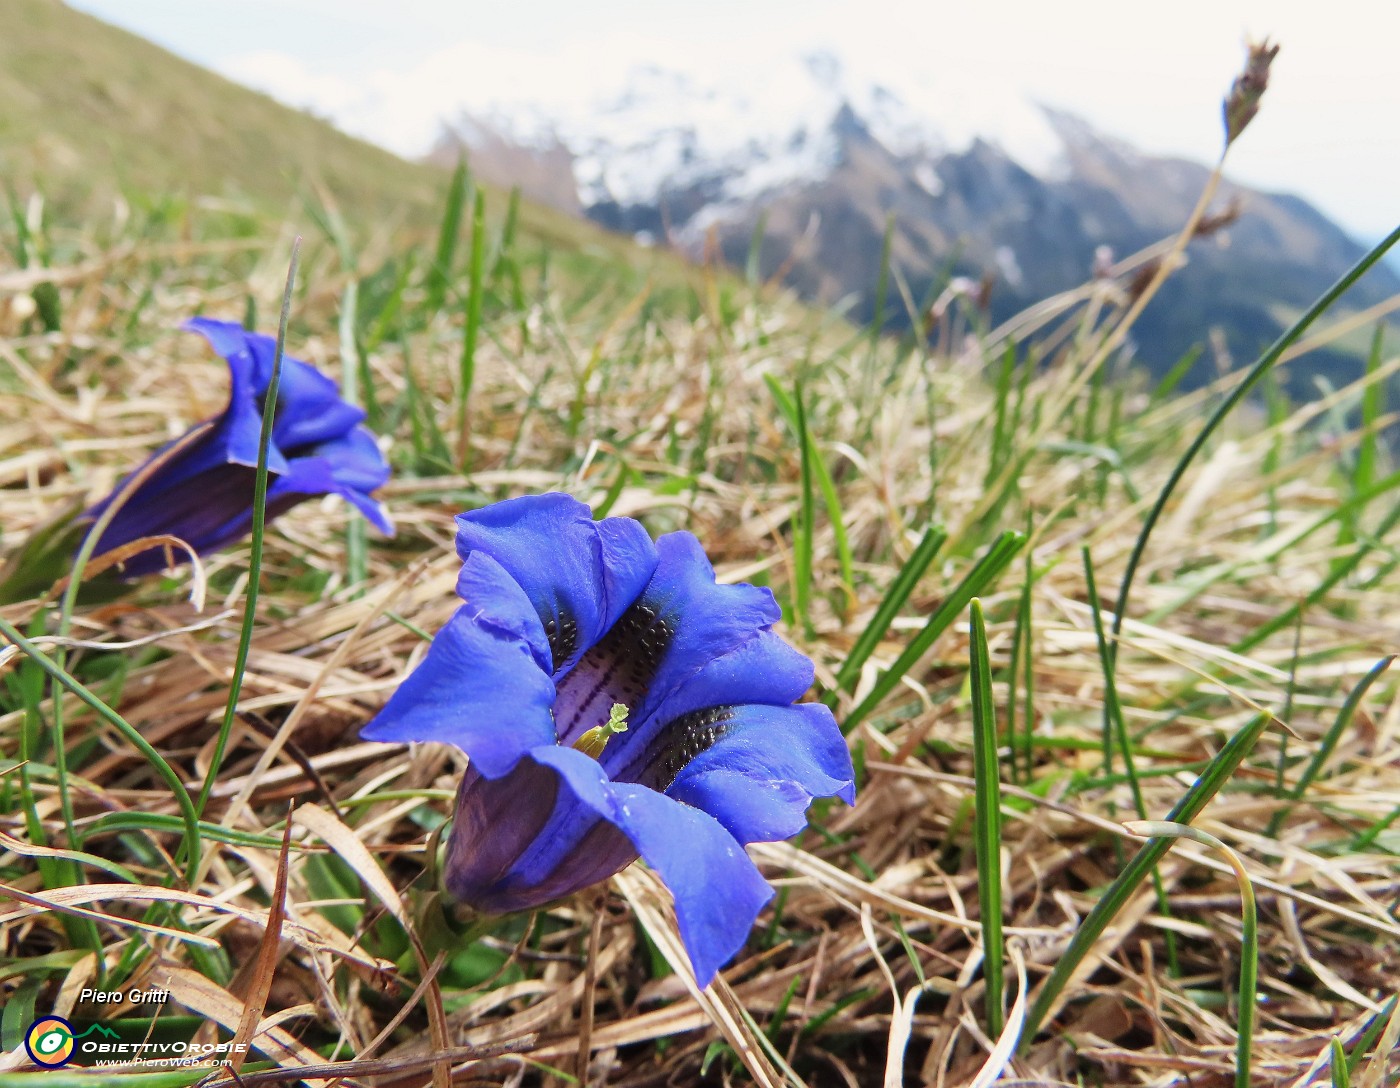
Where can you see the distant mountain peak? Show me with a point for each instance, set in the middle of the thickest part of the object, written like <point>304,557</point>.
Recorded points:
<point>987,181</point>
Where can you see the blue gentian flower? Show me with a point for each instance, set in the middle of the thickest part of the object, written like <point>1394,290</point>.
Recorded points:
<point>614,702</point>
<point>204,493</point>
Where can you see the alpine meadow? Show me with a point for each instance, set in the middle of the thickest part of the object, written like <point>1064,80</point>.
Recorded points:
<point>445,643</point>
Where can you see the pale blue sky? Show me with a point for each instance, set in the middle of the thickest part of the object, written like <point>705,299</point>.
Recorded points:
<point>1151,74</point>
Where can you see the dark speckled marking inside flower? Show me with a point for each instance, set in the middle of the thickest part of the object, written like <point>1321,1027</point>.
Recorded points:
<point>561,629</point>
<point>680,742</point>
<point>616,669</point>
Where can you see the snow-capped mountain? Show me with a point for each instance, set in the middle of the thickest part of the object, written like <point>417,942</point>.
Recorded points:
<point>978,181</point>
<point>659,130</point>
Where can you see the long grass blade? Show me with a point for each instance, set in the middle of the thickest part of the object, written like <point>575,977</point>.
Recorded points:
<point>1265,363</point>
<point>895,598</point>
<point>789,407</point>
<point>987,818</point>
<point>440,274</point>
<point>356,557</point>
<point>802,543</point>
<point>476,277</point>
<point>1116,896</point>
<point>983,575</point>
<point>1022,664</point>
<point>127,730</point>
<point>1249,934</point>
<point>1323,752</point>
<point>250,601</point>
<point>1115,731</point>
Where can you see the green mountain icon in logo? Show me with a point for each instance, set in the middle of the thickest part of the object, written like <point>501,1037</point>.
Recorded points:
<point>98,1028</point>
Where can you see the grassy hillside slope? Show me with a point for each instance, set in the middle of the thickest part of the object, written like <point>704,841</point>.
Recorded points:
<point>88,110</point>
<point>86,107</point>
<point>273,873</point>
<point>868,484</point>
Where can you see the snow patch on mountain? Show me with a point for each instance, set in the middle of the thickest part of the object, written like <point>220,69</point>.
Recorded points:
<point>752,121</point>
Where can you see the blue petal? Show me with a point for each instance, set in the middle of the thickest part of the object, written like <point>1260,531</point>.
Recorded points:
<point>706,645</point>
<point>350,467</point>
<point>524,840</point>
<point>202,455</point>
<point>359,468</point>
<point>356,459</point>
<point>717,888</point>
<point>227,338</point>
<point>207,512</point>
<point>483,685</point>
<point>580,574</point>
<point>309,408</point>
<point>768,764</point>
<point>240,426</point>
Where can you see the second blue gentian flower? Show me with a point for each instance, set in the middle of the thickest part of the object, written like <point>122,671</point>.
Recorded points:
<point>203,493</point>
<point>614,702</point>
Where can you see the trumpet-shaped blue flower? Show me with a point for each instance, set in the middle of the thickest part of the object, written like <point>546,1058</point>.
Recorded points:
<point>203,493</point>
<point>615,702</point>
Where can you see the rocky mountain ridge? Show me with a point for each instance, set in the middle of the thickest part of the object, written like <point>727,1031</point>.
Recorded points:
<point>821,158</point>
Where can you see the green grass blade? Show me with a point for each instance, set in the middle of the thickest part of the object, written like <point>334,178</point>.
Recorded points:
<point>1248,992</point>
<point>1002,393</point>
<point>1329,741</point>
<point>429,443</point>
<point>127,730</point>
<point>1372,408</point>
<point>1115,730</point>
<point>1368,1038</point>
<point>111,823</point>
<point>789,407</point>
<point>1341,1075</point>
<point>387,318</point>
<point>1115,897</point>
<point>1167,386</point>
<point>250,602</point>
<point>614,492</point>
<point>440,274</point>
<point>503,259</point>
<point>1251,379</point>
<point>987,820</point>
<point>356,557</point>
<point>1249,980</point>
<point>898,593</point>
<point>982,575</point>
<point>1022,650</point>
<point>802,546</point>
<point>1363,840</point>
<point>27,682</point>
<point>845,561</point>
<point>475,287</point>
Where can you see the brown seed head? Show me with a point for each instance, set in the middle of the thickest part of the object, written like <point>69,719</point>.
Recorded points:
<point>1242,103</point>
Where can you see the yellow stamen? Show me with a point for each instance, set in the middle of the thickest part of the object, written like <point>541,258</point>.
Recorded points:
<point>595,740</point>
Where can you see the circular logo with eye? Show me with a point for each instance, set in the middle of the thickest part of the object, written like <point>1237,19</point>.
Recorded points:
<point>49,1041</point>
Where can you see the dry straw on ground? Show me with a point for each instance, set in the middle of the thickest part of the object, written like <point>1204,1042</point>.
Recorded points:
<point>868,969</point>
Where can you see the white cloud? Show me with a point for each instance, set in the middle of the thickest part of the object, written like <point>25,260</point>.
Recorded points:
<point>1152,74</point>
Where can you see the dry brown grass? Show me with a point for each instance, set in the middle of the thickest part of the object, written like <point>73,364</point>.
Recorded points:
<point>868,969</point>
